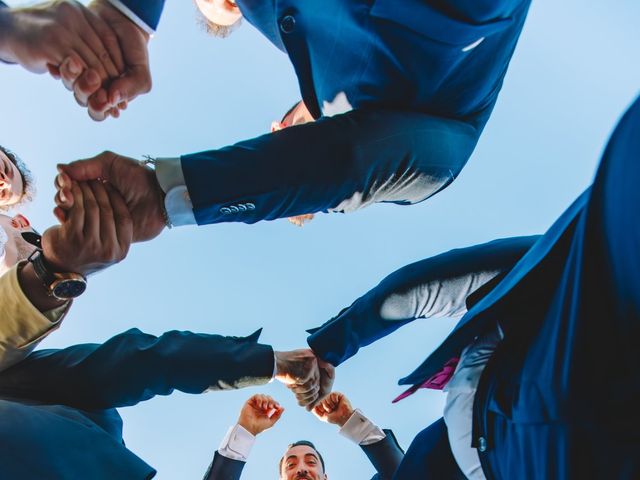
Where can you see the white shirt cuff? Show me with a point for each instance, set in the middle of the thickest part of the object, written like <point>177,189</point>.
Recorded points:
<point>275,367</point>
<point>361,430</point>
<point>127,12</point>
<point>237,444</point>
<point>177,201</point>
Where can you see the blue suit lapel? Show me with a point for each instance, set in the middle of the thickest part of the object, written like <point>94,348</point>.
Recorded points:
<point>471,323</point>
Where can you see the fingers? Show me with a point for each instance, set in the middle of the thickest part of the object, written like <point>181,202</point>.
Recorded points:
<point>76,215</point>
<point>106,42</point>
<point>64,198</point>
<point>91,212</point>
<point>136,81</point>
<point>84,85</point>
<point>70,69</point>
<point>106,224</point>
<point>121,217</point>
<point>266,404</point>
<point>91,49</point>
<point>60,214</point>
<point>327,377</point>
<point>54,71</point>
<point>277,414</point>
<point>320,412</point>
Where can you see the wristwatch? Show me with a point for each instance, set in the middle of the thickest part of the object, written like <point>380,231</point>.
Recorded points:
<point>63,286</point>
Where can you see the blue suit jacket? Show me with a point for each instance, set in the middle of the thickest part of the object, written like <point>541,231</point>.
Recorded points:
<point>58,417</point>
<point>421,75</point>
<point>385,456</point>
<point>558,398</point>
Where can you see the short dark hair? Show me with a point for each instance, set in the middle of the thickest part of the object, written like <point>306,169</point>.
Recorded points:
<point>28,184</point>
<point>301,443</point>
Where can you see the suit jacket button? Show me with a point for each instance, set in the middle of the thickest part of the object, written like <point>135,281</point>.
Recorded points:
<point>287,24</point>
<point>234,209</point>
<point>225,210</point>
<point>250,206</point>
<point>242,207</point>
<point>482,444</point>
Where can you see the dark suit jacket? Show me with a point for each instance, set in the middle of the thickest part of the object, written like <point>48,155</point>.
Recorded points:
<point>558,398</point>
<point>57,407</point>
<point>385,456</point>
<point>421,75</point>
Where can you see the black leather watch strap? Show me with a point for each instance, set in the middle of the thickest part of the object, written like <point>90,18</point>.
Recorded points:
<point>42,270</point>
<point>63,286</point>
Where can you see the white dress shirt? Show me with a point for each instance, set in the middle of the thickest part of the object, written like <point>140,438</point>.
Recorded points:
<point>458,409</point>
<point>237,443</point>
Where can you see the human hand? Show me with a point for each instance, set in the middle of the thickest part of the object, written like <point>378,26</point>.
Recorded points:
<point>96,232</point>
<point>45,36</point>
<point>135,79</point>
<point>335,409</point>
<point>300,220</point>
<point>308,377</point>
<point>136,183</point>
<point>259,413</point>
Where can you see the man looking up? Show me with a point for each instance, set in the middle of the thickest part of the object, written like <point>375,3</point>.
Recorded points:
<point>16,184</point>
<point>58,416</point>
<point>302,459</point>
<point>401,92</point>
<point>36,289</point>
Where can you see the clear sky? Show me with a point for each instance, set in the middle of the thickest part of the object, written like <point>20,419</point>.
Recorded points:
<point>575,70</point>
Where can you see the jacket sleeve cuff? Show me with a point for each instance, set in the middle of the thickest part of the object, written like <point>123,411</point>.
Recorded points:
<point>22,326</point>
<point>130,14</point>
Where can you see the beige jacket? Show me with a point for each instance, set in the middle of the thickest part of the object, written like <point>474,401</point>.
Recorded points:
<point>22,326</point>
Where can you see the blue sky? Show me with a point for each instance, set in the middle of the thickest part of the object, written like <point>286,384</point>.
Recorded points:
<point>575,70</point>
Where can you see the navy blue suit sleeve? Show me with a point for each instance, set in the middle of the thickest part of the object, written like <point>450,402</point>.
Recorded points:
<point>475,11</point>
<point>134,366</point>
<point>615,200</point>
<point>435,287</point>
<point>429,456</point>
<point>223,468</point>
<point>339,163</point>
<point>385,456</point>
<point>149,11</point>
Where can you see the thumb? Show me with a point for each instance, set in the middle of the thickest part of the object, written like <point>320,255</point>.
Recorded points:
<point>83,170</point>
<point>276,416</point>
<point>319,412</point>
<point>136,81</point>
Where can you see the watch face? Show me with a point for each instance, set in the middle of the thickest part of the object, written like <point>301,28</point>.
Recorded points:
<point>68,288</point>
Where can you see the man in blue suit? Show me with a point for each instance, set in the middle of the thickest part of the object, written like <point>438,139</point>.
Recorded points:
<point>541,371</point>
<point>401,91</point>
<point>58,417</point>
<point>302,459</point>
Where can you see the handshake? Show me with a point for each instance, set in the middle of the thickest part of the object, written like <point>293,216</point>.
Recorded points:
<point>98,53</point>
<point>307,376</point>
